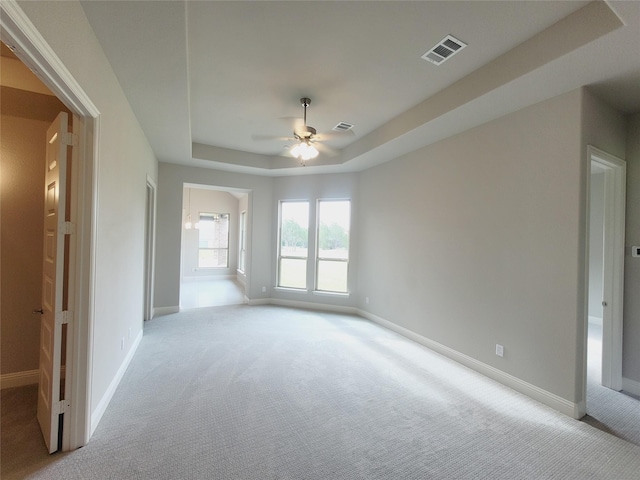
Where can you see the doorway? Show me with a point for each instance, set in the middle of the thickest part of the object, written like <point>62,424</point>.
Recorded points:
<point>213,262</point>
<point>31,50</point>
<point>607,185</point>
<point>606,407</point>
<point>149,247</point>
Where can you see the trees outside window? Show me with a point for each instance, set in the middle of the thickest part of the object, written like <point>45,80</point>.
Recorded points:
<point>332,258</point>
<point>293,244</point>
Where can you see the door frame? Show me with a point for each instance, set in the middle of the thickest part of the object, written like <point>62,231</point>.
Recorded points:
<point>150,247</point>
<point>32,49</point>
<point>613,265</point>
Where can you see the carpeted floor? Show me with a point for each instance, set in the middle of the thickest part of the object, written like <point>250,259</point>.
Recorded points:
<point>274,393</point>
<point>615,412</point>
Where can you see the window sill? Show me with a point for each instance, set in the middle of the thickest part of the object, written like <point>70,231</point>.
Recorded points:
<point>291,289</point>
<point>331,294</point>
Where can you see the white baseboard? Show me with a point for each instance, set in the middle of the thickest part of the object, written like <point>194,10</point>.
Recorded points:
<point>574,410</point>
<point>314,306</point>
<point>160,311</point>
<point>258,301</point>
<point>631,386</point>
<point>97,414</point>
<point>19,379</point>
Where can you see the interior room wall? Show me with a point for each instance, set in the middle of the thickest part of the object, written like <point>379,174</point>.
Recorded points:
<point>28,107</point>
<point>313,188</point>
<point>481,243</point>
<point>22,226</point>
<point>596,245</point>
<point>171,179</point>
<point>208,201</point>
<point>124,161</point>
<point>631,327</point>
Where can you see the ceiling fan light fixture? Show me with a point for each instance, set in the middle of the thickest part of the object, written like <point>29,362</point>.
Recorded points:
<point>304,151</point>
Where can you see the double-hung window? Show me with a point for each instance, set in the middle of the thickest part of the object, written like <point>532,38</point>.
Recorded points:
<point>213,240</point>
<point>332,258</point>
<point>293,244</point>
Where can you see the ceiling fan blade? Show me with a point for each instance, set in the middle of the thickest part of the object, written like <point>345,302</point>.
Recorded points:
<point>299,127</point>
<point>259,138</point>
<point>336,134</point>
<point>325,149</point>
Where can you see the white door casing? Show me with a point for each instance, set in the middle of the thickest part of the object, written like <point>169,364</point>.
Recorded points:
<point>18,32</point>
<point>52,281</point>
<point>613,265</point>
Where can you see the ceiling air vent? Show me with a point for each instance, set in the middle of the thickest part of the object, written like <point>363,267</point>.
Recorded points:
<point>343,127</point>
<point>445,49</point>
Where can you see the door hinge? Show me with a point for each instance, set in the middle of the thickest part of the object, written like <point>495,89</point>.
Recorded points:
<point>67,228</point>
<point>70,139</point>
<point>63,406</point>
<point>64,317</point>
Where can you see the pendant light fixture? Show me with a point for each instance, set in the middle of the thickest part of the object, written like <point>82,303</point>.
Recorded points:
<point>188,225</point>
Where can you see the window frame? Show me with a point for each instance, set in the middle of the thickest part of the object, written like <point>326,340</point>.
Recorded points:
<point>280,256</point>
<point>318,258</point>
<point>200,222</point>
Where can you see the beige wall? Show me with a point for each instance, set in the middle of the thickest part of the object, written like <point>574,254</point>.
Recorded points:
<point>27,110</point>
<point>476,240</point>
<point>22,143</point>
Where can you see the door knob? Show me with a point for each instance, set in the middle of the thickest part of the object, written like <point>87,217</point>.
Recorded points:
<point>38,311</point>
<point>604,303</point>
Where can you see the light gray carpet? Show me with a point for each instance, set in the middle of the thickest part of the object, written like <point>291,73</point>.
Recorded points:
<point>274,393</point>
<point>615,412</point>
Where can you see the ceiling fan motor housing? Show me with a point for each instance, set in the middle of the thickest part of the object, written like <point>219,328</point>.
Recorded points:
<point>305,132</point>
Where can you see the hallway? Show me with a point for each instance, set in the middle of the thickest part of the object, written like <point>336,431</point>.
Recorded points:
<point>210,292</point>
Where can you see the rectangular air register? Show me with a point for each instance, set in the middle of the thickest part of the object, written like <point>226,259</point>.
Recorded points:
<point>343,127</point>
<point>445,49</point>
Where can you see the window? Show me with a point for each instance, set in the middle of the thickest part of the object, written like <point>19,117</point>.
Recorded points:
<point>293,244</point>
<point>213,240</point>
<point>242,258</point>
<point>334,218</point>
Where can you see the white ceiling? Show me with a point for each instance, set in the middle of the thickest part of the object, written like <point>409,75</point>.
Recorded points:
<point>205,78</point>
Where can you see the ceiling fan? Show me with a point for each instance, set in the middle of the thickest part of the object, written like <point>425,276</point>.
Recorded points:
<point>306,137</point>
<point>307,146</point>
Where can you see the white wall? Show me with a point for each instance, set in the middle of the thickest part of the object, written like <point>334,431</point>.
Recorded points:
<point>171,179</point>
<point>596,246</point>
<point>125,160</point>
<point>476,240</point>
<point>208,201</point>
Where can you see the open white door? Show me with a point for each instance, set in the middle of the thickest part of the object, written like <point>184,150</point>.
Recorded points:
<point>49,402</point>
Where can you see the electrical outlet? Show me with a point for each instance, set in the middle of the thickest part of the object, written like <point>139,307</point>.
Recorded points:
<point>129,332</point>
<point>499,350</point>
<point>635,251</point>
<point>264,289</point>
<point>366,300</point>
<point>122,344</point>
